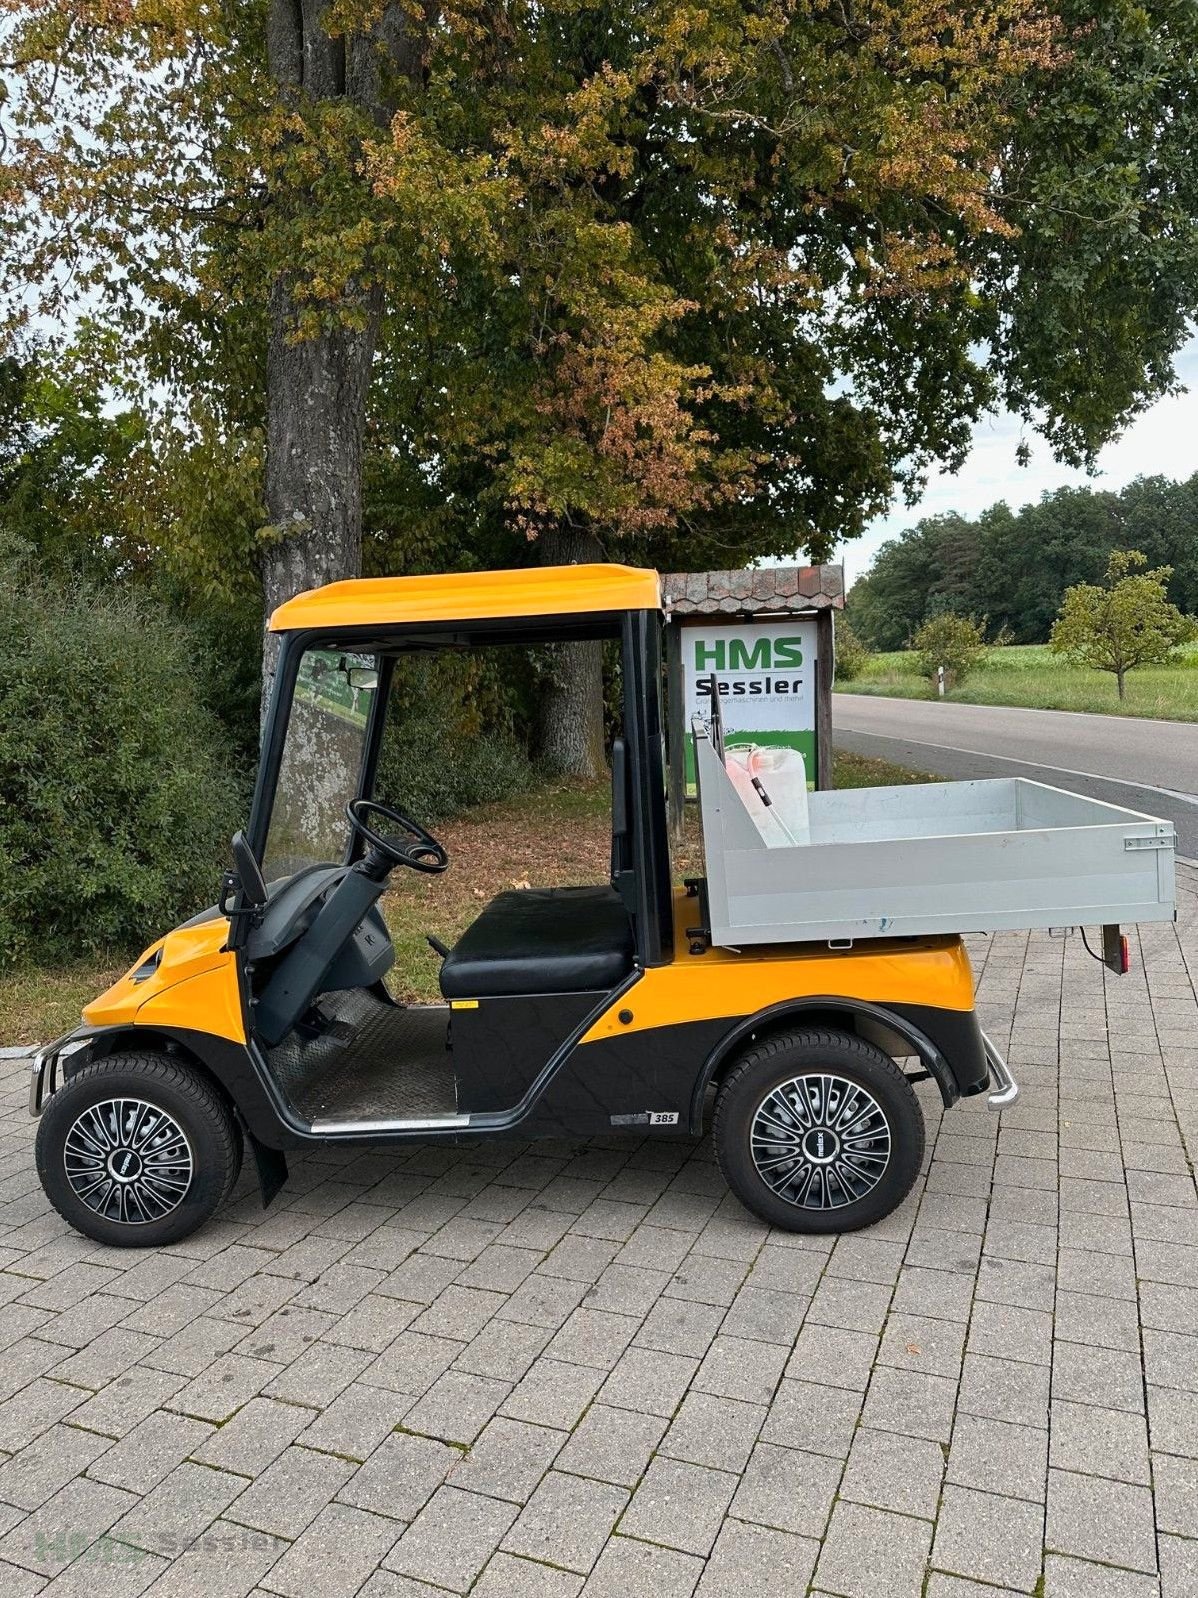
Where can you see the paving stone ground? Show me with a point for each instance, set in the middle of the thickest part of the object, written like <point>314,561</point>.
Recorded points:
<point>542,1370</point>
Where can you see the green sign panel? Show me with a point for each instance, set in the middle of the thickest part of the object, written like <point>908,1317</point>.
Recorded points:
<point>765,676</point>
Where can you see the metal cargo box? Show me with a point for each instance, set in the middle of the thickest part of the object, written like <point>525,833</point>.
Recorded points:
<point>937,857</point>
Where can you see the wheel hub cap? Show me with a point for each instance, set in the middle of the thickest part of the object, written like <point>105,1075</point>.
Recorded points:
<point>820,1145</point>
<point>124,1165</point>
<point>128,1160</point>
<point>820,1141</point>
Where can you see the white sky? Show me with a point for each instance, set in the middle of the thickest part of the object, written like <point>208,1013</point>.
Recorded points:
<point>1164,441</point>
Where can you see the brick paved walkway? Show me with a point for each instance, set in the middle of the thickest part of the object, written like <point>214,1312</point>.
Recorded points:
<point>556,1369</point>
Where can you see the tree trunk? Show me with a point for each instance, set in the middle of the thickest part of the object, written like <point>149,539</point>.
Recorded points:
<point>315,406</point>
<point>1120,673</point>
<point>570,715</point>
<point>317,386</point>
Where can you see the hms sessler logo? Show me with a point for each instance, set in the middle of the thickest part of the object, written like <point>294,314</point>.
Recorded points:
<point>764,655</point>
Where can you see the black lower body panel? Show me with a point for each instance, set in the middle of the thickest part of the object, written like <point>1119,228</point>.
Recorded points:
<point>628,1081</point>
<point>501,1045</point>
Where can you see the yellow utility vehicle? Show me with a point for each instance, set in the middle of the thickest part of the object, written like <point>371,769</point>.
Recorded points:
<point>579,1011</point>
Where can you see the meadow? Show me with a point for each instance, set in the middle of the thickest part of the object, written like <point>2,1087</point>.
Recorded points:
<point>1030,674</point>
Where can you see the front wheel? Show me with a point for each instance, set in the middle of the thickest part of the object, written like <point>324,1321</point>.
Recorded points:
<point>137,1150</point>
<point>818,1131</point>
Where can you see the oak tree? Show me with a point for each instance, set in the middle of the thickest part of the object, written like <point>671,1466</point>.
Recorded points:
<point>692,285</point>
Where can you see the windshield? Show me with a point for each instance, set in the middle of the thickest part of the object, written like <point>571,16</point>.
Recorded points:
<point>322,760</point>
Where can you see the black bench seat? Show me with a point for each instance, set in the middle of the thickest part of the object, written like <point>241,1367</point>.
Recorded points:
<point>542,940</point>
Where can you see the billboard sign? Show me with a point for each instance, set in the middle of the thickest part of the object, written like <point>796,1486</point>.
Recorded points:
<point>765,675</point>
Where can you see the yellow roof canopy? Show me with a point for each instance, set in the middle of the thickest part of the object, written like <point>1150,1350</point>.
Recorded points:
<point>470,596</point>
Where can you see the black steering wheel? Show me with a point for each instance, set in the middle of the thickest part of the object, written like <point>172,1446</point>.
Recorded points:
<point>422,853</point>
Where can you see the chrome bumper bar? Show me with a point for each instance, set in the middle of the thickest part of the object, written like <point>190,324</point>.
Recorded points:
<point>44,1073</point>
<point>1005,1087</point>
<point>41,1069</point>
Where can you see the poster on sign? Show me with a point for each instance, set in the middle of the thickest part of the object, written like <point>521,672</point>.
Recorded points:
<point>765,676</point>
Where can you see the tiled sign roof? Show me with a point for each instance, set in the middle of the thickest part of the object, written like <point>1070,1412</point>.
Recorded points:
<point>759,590</point>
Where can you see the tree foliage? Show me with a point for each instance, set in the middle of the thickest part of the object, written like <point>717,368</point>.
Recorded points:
<point>851,654</point>
<point>709,282</point>
<point>958,643</point>
<point>1124,622</point>
<point>68,473</point>
<point>1014,566</point>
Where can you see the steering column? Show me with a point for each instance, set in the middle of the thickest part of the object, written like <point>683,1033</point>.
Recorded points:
<point>297,979</point>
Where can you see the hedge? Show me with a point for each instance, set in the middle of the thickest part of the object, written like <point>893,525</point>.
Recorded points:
<point>449,741</point>
<point>118,791</point>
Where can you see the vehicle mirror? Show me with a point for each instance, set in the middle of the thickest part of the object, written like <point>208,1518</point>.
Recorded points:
<point>365,677</point>
<point>249,872</point>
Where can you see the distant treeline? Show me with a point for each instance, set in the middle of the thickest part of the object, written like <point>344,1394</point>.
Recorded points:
<point>1014,566</point>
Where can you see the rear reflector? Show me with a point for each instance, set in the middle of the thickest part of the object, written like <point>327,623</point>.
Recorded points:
<point>1116,950</point>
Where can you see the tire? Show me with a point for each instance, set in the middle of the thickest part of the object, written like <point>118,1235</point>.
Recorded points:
<point>779,1131</point>
<point>137,1150</point>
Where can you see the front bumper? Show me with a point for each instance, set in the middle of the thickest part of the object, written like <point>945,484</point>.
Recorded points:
<point>45,1070</point>
<point>1005,1087</point>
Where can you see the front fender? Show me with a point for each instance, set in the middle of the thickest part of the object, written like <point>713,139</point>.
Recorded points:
<point>189,979</point>
<point>231,1066</point>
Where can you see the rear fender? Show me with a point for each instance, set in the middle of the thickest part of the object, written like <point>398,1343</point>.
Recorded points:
<point>893,1032</point>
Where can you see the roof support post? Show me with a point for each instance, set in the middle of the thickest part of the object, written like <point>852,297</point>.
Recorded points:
<point>675,731</point>
<point>824,664</point>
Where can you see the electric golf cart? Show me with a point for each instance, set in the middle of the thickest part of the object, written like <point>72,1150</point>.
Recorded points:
<point>772,1000</point>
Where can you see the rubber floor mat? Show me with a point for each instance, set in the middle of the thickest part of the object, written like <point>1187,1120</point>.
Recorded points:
<point>373,1061</point>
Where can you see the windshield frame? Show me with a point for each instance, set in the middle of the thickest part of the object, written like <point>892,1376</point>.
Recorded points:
<point>277,723</point>
<point>639,634</point>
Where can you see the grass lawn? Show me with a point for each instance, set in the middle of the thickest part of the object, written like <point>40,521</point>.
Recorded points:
<point>554,836</point>
<point>38,1003</point>
<point>1030,674</point>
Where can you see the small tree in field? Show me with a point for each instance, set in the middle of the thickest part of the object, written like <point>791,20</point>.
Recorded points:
<point>852,654</point>
<point>1124,622</point>
<point>957,643</point>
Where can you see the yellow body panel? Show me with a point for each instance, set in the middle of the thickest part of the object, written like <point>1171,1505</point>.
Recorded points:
<point>471,596</point>
<point>209,1002</point>
<point>194,986</point>
<point>726,983</point>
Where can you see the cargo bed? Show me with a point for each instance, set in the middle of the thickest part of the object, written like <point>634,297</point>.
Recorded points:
<point>928,858</point>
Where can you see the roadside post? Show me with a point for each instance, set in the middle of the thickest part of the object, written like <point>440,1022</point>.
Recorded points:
<point>766,635</point>
<point>940,681</point>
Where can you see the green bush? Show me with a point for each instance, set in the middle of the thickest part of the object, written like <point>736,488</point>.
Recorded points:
<point>957,643</point>
<point>117,795</point>
<point>852,655</point>
<point>449,742</point>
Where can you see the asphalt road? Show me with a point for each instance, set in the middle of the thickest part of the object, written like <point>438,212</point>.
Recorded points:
<point>1145,765</point>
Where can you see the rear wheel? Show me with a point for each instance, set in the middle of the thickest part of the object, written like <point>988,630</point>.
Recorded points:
<point>818,1131</point>
<point>137,1150</point>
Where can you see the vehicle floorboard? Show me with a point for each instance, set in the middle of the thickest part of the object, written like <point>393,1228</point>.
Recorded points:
<point>372,1061</point>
